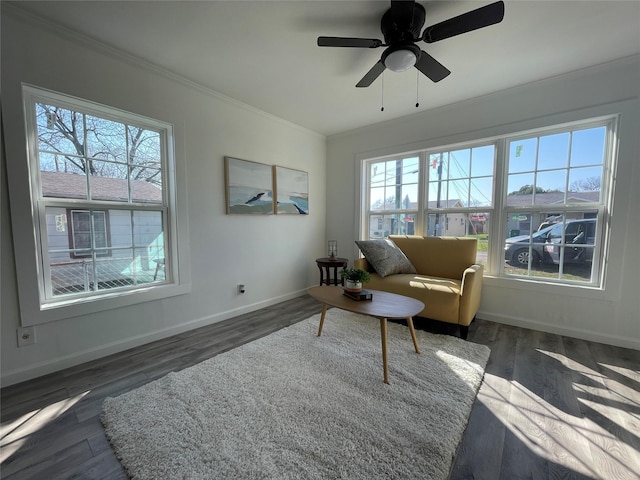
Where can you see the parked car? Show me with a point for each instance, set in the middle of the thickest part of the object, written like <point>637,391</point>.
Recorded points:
<point>577,235</point>
<point>545,244</point>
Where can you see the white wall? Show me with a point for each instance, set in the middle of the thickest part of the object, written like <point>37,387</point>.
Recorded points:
<point>610,316</point>
<point>272,255</point>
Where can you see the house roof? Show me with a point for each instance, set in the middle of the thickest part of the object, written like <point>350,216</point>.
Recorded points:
<point>553,198</point>
<point>517,200</point>
<point>70,185</point>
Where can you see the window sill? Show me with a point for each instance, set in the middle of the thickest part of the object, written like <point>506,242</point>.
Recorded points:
<point>542,287</point>
<point>67,309</point>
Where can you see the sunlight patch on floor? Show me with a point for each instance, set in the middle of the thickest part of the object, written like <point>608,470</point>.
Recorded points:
<point>573,441</point>
<point>15,433</point>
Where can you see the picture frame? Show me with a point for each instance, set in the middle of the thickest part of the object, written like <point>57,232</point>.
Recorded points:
<point>249,187</point>
<point>291,191</point>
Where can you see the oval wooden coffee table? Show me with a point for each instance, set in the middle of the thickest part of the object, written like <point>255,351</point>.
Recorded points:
<point>383,306</point>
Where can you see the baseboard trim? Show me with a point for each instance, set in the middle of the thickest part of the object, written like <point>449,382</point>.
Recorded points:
<point>47,367</point>
<point>591,336</point>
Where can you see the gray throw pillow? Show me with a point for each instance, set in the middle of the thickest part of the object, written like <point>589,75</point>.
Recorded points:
<point>385,257</point>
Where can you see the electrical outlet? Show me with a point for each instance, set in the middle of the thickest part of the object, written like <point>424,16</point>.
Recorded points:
<point>26,336</point>
<point>241,288</point>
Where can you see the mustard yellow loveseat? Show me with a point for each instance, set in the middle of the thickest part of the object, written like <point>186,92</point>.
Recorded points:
<point>447,279</point>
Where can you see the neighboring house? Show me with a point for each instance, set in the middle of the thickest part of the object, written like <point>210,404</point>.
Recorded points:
<point>126,257</point>
<point>525,223</point>
<point>449,224</point>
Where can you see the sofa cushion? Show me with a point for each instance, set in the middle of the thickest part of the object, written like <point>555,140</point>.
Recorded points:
<point>446,257</point>
<point>441,296</point>
<point>385,257</point>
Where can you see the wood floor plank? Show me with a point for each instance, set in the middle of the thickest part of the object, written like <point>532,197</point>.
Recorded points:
<point>540,391</point>
<point>480,452</point>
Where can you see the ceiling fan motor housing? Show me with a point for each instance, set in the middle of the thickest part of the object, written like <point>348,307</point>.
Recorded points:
<point>403,26</point>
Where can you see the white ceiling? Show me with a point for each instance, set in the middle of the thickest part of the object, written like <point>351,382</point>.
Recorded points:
<point>264,53</point>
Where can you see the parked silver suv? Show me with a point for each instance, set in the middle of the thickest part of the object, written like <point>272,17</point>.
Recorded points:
<point>545,244</point>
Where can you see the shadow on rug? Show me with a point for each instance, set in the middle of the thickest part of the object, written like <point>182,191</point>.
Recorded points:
<point>295,405</point>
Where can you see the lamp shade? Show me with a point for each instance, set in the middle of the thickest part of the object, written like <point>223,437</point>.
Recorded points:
<point>400,60</point>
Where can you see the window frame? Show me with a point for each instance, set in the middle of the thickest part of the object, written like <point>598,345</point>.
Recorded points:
<point>41,307</point>
<point>369,213</point>
<point>72,233</point>
<point>495,261</point>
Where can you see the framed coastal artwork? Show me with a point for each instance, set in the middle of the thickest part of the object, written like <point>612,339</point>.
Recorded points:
<point>292,191</point>
<point>249,187</point>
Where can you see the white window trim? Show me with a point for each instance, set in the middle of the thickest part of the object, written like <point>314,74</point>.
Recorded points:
<point>495,275</point>
<point>30,275</point>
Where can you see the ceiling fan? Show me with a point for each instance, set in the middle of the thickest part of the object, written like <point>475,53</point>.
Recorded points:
<point>401,27</point>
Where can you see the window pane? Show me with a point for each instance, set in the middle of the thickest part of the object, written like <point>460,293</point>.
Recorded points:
<point>520,188</point>
<point>117,271</point>
<point>71,276</point>
<point>550,187</point>
<point>481,192</point>
<point>109,181</point>
<point>587,147</point>
<point>409,197</point>
<point>147,232</point>
<point>554,151</point>
<point>586,179</point>
<point>458,193</point>
<point>141,180</point>
<point>482,161</point>
<point>393,173</point>
<point>410,170</point>
<point>377,174</point>
<point>144,148</point>
<point>478,227</point>
<point>121,228</point>
<point>437,194</point>
<point>447,225</point>
<point>106,139</point>
<point>377,197</point>
<point>438,166</point>
<point>459,166</point>
<point>60,130</point>
<point>522,155</point>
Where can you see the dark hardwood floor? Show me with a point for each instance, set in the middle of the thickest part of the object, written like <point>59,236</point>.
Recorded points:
<point>550,407</point>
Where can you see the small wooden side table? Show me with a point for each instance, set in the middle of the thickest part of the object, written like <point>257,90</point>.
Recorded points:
<point>325,265</point>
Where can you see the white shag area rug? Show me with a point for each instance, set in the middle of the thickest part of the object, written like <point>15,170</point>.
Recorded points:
<point>295,405</point>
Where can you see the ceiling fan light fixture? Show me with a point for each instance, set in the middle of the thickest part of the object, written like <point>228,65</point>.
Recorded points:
<point>400,60</point>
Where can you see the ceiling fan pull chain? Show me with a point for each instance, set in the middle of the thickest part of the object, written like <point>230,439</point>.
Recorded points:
<point>417,83</point>
<point>382,96</point>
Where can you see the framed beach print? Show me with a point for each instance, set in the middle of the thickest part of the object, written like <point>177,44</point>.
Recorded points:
<point>249,187</point>
<point>292,191</point>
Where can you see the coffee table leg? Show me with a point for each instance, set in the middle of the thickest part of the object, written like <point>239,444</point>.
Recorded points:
<point>324,312</point>
<point>383,335</point>
<point>413,334</point>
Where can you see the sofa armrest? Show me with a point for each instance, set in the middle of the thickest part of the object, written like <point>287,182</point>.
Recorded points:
<point>470,294</point>
<point>363,264</point>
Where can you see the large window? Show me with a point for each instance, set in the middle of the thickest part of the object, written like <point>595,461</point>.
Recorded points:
<point>554,203</point>
<point>101,202</point>
<point>536,201</point>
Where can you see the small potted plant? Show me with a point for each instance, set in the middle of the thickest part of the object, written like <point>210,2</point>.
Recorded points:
<point>354,278</point>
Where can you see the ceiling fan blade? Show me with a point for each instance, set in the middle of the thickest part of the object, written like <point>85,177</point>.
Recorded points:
<point>467,22</point>
<point>431,67</point>
<point>349,42</point>
<point>372,74</point>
